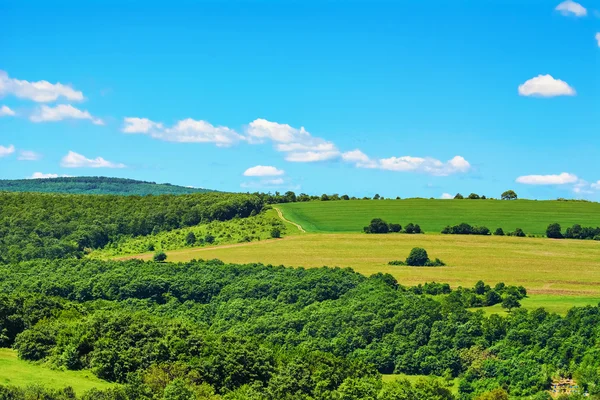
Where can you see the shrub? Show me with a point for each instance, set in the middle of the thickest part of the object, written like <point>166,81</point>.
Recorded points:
<point>377,225</point>
<point>519,233</point>
<point>417,258</point>
<point>474,196</point>
<point>554,231</point>
<point>159,256</point>
<point>465,229</point>
<point>395,228</point>
<point>190,239</point>
<point>209,239</point>
<point>396,262</point>
<point>459,196</point>
<point>499,232</point>
<point>275,233</point>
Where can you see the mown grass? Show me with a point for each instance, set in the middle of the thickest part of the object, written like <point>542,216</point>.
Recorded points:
<point>433,215</point>
<point>225,232</point>
<point>566,272</point>
<point>20,373</point>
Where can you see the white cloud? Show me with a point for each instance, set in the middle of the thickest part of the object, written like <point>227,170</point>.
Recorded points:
<point>40,175</point>
<point>75,160</point>
<point>596,185</point>
<point>40,91</point>
<point>299,144</point>
<point>263,170</point>
<point>598,38</point>
<point>311,156</point>
<point>184,131</point>
<point>560,179</point>
<point>426,165</point>
<point>140,125</point>
<point>571,8</point>
<point>27,155</point>
<point>62,112</point>
<point>5,151</point>
<point>6,112</point>
<point>359,158</point>
<point>446,196</point>
<point>546,86</point>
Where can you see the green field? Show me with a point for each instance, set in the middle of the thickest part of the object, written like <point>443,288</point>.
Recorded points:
<point>433,215</point>
<point>16,372</point>
<point>567,272</point>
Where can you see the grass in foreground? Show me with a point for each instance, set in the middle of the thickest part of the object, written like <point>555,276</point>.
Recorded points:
<point>565,272</point>
<point>20,373</point>
<point>433,215</point>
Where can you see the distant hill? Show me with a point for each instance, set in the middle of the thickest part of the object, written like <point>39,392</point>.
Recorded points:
<point>95,185</point>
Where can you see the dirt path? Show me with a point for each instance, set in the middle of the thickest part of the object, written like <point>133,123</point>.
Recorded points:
<point>300,228</point>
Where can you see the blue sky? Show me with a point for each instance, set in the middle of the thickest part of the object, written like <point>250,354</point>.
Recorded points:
<point>360,97</point>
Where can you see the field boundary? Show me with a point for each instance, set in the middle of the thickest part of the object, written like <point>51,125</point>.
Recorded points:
<point>300,228</point>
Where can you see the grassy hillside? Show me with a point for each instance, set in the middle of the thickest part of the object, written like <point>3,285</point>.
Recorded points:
<point>238,230</point>
<point>433,215</point>
<point>94,185</point>
<point>566,272</point>
<point>16,372</point>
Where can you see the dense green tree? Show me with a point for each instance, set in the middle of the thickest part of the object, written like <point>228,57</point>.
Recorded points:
<point>159,256</point>
<point>377,225</point>
<point>459,196</point>
<point>509,195</point>
<point>417,258</point>
<point>510,302</point>
<point>190,239</point>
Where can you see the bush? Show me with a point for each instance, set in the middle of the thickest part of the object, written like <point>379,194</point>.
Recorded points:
<point>459,196</point>
<point>210,239</point>
<point>395,228</point>
<point>377,225</point>
<point>160,256</point>
<point>417,258</point>
<point>519,233</point>
<point>554,231</point>
<point>465,229</point>
<point>275,233</point>
<point>499,232</point>
<point>190,239</point>
<point>396,262</point>
<point>412,228</point>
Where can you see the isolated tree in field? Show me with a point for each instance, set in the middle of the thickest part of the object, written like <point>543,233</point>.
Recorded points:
<point>417,258</point>
<point>190,239</point>
<point>509,195</point>
<point>275,233</point>
<point>376,197</point>
<point>510,302</point>
<point>474,196</point>
<point>160,256</point>
<point>459,196</point>
<point>377,225</point>
<point>554,231</point>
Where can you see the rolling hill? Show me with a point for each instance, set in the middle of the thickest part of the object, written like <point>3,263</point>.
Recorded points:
<point>95,185</point>
<point>533,216</point>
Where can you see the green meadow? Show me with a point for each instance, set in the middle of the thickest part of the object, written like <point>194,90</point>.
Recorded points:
<point>565,272</point>
<point>433,215</point>
<point>21,373</point>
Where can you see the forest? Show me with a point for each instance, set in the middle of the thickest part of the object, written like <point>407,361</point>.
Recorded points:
<point>270,332</point>
<point>94,185</point>
<point>52,226</point>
